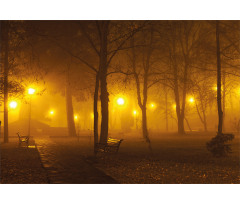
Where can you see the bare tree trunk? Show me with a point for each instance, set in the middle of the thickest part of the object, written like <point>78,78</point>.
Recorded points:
<point>203,118</point>
<point>181,129</point>
<point>188,124</point>
<point>95,108</point>
<point>141,104</point>
<point>220,113</point>
<point>144,126</point>
<point>103,81</point>
<point>223,100</point>
<point>69,108</point>
<point>179,112</point>
<point>166,109</point>
<point>5,78</point>
<point>180,117</point>
<point>144,114</point>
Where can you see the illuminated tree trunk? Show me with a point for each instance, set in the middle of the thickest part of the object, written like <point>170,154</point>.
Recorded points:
<point>103,81</point>
<point>95,107</point>
<point>5,30</point>
<point>181,129</point>
<point>166,109</point>
<point>219,103</point>
<point>141,104</point>
<point>223,99</point>
<point>144,113</point>
<point>69,108</point>
<point>188,124</point>
<point>202,117</point>
<point>179,112</point>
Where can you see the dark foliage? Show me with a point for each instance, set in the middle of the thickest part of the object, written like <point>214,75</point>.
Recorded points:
<point>218,145</point>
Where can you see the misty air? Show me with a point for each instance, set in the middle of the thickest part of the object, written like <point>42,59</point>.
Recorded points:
<point>120,102</point>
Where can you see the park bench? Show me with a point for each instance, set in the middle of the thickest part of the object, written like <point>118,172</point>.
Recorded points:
<point>112,146</point>
<point>23,139</point>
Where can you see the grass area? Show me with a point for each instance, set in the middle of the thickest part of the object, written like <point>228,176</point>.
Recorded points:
<point>175,159</point>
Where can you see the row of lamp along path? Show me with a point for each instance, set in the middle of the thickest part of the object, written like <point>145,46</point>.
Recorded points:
<point>120,102</point>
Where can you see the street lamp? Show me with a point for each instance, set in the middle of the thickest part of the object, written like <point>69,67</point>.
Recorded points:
<point>152,106</point>
<point>51,112</point>
<point>13,104</point>
<point>134,112</point>
<point>120,101</point>
<point>191,100</point>
<point>31,91</point>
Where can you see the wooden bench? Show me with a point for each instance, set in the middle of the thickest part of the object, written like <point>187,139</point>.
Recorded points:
<point>23,139</point>
<point>112,146</point>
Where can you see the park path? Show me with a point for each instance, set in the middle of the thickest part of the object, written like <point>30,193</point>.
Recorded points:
<point>66,164</point>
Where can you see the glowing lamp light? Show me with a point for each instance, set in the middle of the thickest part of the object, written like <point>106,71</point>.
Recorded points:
<point>174,106</point>
<point>31,91</point>
<point>191,100</point>
<point>92,115</point>
<point>215,88</point>
<point>51,112</point>
<point>152,105</point>
<point>120,101</point>
<point>134,112</point>
<point>13,104</point>
<point>75,117</point>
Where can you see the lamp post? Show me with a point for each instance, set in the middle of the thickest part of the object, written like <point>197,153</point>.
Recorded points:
<point>31,91</point>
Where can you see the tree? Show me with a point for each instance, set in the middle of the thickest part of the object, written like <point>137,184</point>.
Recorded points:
<point>14,44</point>
<point>69,107</point>
<point>181,39</point>
<point>105,39</point>
<point>142,75</point>
<point>217,146</point>
<point>5,39</point>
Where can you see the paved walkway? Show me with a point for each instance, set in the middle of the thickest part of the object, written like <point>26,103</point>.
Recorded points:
<point>65,163</point>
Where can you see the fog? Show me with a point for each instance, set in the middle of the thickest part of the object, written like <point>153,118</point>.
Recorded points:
<point>167,68</point>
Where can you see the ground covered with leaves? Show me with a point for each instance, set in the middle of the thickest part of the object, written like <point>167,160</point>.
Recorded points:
<point>175,159</point>
<point>21,165</point>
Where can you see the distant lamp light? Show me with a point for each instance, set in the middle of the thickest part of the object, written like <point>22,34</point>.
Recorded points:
<point>120,101</point>
<point>75,117</point>
<point>215,88</point>
<point>174,106</point>
<point>152,106</point>
<point>31,91</point>
<point>191,100</point>
<point>92,115</point>
<point>51,112</point>
<point>13,104</point>
<point>134,112</point>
